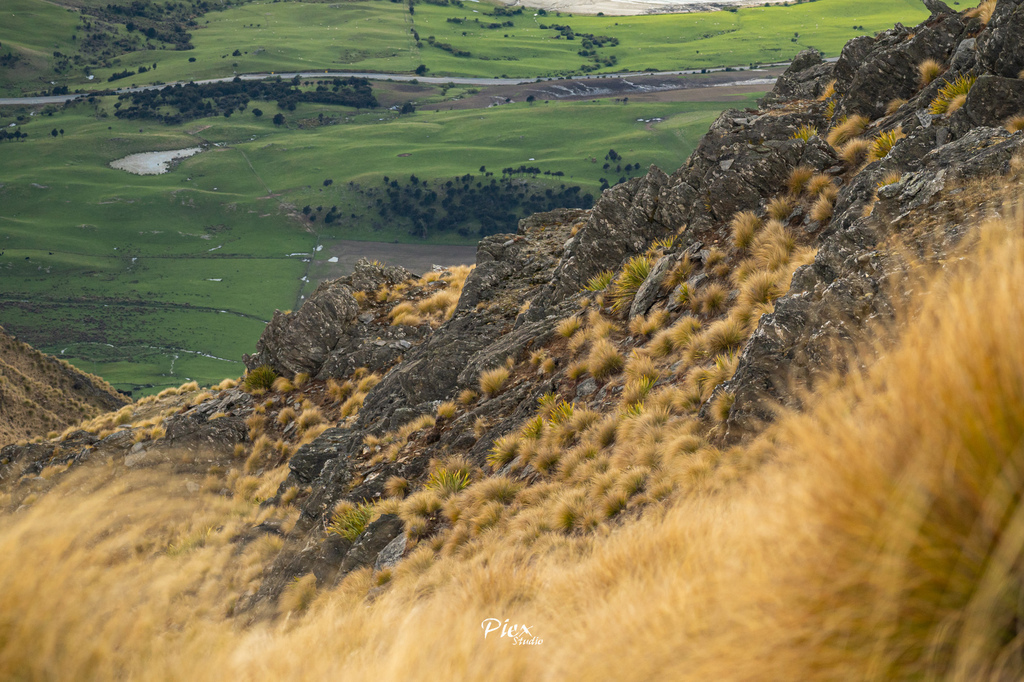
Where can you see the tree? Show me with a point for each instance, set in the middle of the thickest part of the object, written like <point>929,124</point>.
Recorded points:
<point>278,119</point>
<point>62,132</point>
<point>257,112</point>
<point>407,108</point>
<point>530,99</point>
<point>54,132</point>
<point>421,69</point>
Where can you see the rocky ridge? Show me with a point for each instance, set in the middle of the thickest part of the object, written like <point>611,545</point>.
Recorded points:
<point>693,339</point>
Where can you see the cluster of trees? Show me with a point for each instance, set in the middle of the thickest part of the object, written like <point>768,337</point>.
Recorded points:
<point>493,24</point>
<point>164,22</point>
<point>468,205</point>
<point>447,47</point>
<point>13,136</point>
<point>590,44</point>
<point>193,101</point>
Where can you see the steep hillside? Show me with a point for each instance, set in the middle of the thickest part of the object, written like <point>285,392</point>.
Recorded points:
<point>40,394</point>
<point>756,419</point>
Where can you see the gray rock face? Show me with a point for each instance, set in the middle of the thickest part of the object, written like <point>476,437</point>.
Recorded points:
<point>326,337</point>
<point>804,79</point>
<point>872,75</point>
<point>377,536</point>
<point>991,101</point>
<point>999,46</point>
<point>392,554</point>
<point>303,340</point>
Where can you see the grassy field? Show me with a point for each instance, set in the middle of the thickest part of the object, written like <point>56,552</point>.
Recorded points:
<point>159,279</point>
<point>377,36</point>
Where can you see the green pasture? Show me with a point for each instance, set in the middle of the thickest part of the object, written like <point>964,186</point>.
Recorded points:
<point>376,35</point>
<point>153,280</point>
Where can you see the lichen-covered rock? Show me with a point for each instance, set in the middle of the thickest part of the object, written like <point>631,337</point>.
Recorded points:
<point>1000,47</point>
<point>805,78</point>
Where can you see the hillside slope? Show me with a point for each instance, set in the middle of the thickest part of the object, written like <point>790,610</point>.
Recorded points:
<point>41,394</point>
<point>756,419</point>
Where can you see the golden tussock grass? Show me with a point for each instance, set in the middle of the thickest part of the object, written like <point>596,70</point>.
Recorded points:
<point>877,535</point>
<point>744,226</point>
<point>983,11</point>
<point>852,127</point>
<point>928,70</point>
<point>855,151</point>
<point>798,179</point>
<point>492,381</point>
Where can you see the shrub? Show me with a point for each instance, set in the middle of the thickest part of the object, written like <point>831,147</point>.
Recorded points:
<point>884,143</point>
<point>604,359</point>
<point>852,127</point>
<point>260,378</point>
<point>633,275</point>
<point>952,95</point>
<point>492,380</point>
<point>928,71</point>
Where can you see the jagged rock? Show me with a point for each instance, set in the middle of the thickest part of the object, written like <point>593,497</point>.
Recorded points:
<point>875,74</point>
<point>991,101</point>
<point>1000,47</point>
<point>326,337</point>
<point>303,340</point>
<point>192,431</point>
<point>650,290</point>
<point>374,539</point>
<point>937,7</point>
<point>308,462</point>
<point>805,78</point>
<point>392,554</point>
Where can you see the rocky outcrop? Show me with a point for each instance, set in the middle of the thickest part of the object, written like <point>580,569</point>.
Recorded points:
<point>805,78</point>
<point>329,336</point>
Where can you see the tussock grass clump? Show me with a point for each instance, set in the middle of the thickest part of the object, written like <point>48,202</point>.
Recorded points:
<point>447,482</point>
<point>310,417</point>
<point>855,151</point>
<point>804,132</point>
<point>780,207</point>
<point>447,410</point>
<point>928,71</point>
<point>625,286</point>
<point>952,95</point>
<point>823,206</point>
<point>286,416</point>
<point>828,91</point>
<point>282,385</point>
<point>983,11</point>
<point>744,226</point>
<point>890,178</point>
<point>680,272</point>
<point>818,184</point>
<point>883,144</point>
<point>894,105</point>
<point>798,179</point>
<point>569,326</point>
<point>645,325</point>
<point>763,286</point>
<point>396,486</point>
<point>260,378</point>
<point>604,359</point>
<point>492,381</point>
<point>852,127</point>
<point>405,313</point>
<point>350,520</point>
<point>713,298</point>
<point>1014,124</point>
